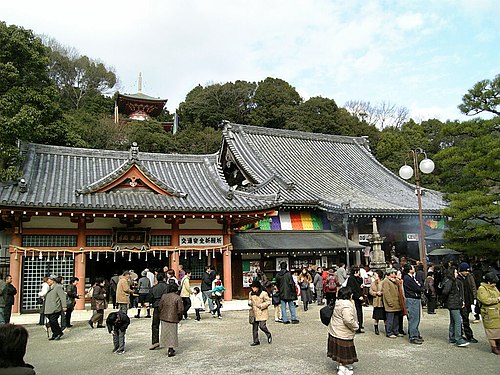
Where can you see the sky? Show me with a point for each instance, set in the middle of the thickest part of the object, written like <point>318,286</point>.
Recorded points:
<point>420,54</point>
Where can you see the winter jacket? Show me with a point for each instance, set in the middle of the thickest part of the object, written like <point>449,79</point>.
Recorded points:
<point>185,287</point>
<point>156,292</point>
<point>11,292</point>
<point>318,282</point>
<point>171,308</point>
<point>286,286</point>
<point>144,285</point>
<point>356,285</point>
<point>453,294</point>
<point>391,295</point>
<point>123,291</point>
<point>341,275</point>
<point>3,292</point>
<point>98,301</point>
<point>374,288</point>
<point>71,295</point>
<point>117,321</point>
<point>331,281</point>
<point>488,295</point>
<point>206,281</point>
<point>344,321</point>
<point>429,288</point>
<point>55,299</point>
<point>259,304</point>
<point>304,280</point>
<point>198,302</point>
<point>411,287</point>
<point>470,290</point>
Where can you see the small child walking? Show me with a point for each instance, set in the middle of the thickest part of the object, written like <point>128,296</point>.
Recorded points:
<point>117,323</point>
<point>198,304</point>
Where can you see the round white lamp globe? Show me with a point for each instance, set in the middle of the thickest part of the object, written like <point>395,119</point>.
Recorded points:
<point>426,166</point>
<point>406,172</point>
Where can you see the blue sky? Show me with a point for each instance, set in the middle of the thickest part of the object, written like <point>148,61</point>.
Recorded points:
<point>423,55</point>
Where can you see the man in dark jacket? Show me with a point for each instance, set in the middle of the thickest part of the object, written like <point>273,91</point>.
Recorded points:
<point>470,294</point>
<point>206,286</point>
<point>117,323</point>
<point>154,299</point>
<point>287,292</point>
<point>71,296</point>
<point>413,292</point>
<point>453,298</point>
<point>11,291</point>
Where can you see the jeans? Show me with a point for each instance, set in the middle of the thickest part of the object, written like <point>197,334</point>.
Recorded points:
<point>291,306</point>
<point>392,327</point>
<point>413,307</point>
<point>455,328</point>
<point>54,323</point>
<point>155,326</point>
<point>255,330</point>
<point>119,340</point>
<point>467,330</point>
<point>207,295</point>
<point>2,319</point>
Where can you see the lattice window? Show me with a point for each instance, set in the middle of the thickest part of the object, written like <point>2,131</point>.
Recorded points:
<point>194,263</point>
<point>162,240</point>
<point>49,241</point>
<point>34,269</point>
<point>99,241</point>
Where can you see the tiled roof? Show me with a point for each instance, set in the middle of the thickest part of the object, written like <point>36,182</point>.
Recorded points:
<point>63,177</point>
<point>322,170</point>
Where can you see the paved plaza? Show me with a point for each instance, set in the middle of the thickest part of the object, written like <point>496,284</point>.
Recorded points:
<point>214,346</point>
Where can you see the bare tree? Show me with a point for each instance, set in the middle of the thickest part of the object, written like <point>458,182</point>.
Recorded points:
<point>381,115</point>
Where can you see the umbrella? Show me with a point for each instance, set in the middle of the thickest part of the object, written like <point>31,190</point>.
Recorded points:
<point>443,251</point>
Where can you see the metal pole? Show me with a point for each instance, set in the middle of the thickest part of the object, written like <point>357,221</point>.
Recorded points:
<point>346,227</point>
<point>422,249</point>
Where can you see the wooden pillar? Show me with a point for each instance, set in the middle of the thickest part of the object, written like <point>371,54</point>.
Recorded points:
<point>174,259</point>
<point>15,268</point>
<point>80,262</point>
<point>226,265</point>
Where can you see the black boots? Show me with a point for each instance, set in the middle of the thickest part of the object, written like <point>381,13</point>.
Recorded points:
<point>376,329</point>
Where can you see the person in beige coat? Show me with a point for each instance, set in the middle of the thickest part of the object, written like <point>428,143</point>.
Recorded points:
<point>185,292</point>
<point>378,303</point>
<point>123,292</point>
<point>341,331</point>
<point>259,303</point>
<point>392,303</point>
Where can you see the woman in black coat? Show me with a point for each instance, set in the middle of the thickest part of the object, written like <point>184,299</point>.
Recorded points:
<point>355,282</point>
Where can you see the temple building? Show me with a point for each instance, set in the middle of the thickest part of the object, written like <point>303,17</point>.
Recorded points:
<point>267,196</point>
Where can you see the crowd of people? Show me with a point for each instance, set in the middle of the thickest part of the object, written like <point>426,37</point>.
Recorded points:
<point>402,289</point>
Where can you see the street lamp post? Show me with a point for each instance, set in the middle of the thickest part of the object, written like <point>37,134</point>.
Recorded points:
<point>426,166</point>
<point>345,207</point>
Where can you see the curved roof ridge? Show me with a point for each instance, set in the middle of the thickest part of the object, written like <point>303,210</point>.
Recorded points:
<point>299,134</point>
<point>120,171</point>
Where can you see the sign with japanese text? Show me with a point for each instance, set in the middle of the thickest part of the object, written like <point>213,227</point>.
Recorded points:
<point>201,240</point>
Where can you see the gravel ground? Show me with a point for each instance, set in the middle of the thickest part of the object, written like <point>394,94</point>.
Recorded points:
<point>214,346</point>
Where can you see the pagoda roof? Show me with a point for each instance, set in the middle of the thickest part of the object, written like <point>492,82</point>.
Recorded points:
<point>103,180</point>
<point>323,171</point>
<point>130,103</point>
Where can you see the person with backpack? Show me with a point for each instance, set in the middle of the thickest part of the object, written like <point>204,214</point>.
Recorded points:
<point>143,289</point>
<point>331,285</point>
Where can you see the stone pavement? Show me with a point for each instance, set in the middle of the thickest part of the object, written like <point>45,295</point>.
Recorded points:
<point>214,346</point>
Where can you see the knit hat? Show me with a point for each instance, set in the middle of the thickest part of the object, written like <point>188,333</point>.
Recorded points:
<point>464,267</point>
